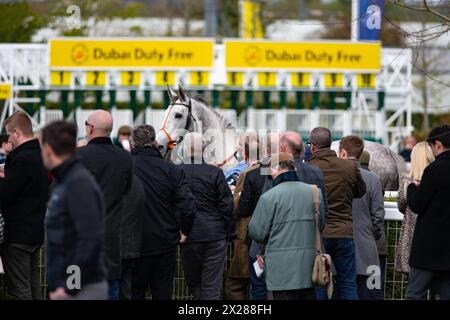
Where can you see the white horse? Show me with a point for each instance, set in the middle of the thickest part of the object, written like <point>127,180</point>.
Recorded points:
<point>384,162</point>
<point>186,114</point>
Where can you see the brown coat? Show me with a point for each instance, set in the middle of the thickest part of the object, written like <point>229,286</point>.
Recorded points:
<point>343,182</point>
<point>239,260</point>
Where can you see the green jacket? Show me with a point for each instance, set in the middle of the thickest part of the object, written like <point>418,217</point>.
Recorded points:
<point>284,221</point>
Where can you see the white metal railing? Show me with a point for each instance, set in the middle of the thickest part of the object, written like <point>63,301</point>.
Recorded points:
<point>340,122</point>
<point>121,117</point>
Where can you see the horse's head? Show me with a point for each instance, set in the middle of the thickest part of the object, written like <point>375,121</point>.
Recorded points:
<point>178,120</point>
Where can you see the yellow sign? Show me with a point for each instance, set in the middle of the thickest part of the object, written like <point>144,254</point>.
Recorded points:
<point>235,79</point>
<point>60,78</point>
<point>124,53</point>
<point>131,78</point>
<point>241,54</point>
<point>251,24</point>
<point>165,78</point>
<point>5,91</point>
<point>300,79</point>
<point>199,78</point>
<point>95,78</point>
<point>267,79</point>
<point>334,80</point>
<point>366,80</point>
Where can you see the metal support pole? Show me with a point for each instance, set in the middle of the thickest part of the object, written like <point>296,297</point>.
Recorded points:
<point>299,100</point>
<point>283,100</point>
<point>332,103</point>
<point>315,100</point>
<point>112,99</point>
<point>248,99</point>
<point>210,17</point>
<point>234,99</point>
<point>266,99</point>
<point>147,99</point>
<point>65,102</point>
<point>133,103</point>
<point>98,99</point>
<point>216,98</point>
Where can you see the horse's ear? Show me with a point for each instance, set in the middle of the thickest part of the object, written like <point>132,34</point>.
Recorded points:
<point>172,94</point>
<point>182,93</point>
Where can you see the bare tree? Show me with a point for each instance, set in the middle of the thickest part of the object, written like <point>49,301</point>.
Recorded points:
<point>427,6</point>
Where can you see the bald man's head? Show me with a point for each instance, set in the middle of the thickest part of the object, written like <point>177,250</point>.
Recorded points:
<point>99,124</point>
<point>320,137</point>
<point>292,143</point>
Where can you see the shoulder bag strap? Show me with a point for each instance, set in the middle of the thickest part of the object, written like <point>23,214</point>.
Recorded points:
<point>316,216</point>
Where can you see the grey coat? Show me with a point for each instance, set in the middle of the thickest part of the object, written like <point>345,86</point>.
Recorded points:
<point>368,220</point>
<point>306,173</point>
<point>284,221</point>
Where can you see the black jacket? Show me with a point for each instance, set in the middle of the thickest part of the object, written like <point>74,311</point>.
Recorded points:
<point>430,248</point>
<point>24,195</point>
<point>169,204</point>
<point>251,191</point>
<point>214,218</point>
<point>75,227</point>
<point>132,217</point>
<point>112,169</point>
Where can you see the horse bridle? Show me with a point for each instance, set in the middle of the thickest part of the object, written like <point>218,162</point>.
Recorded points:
<point>190,117</point>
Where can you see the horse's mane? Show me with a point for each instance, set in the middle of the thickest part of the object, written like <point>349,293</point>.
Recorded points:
<point>224,121</point>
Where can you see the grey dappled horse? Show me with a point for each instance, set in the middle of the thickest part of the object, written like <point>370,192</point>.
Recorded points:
<point>186,114</point>
<point>387,164</point>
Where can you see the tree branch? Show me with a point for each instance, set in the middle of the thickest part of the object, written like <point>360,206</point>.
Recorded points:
<point>425,8</point>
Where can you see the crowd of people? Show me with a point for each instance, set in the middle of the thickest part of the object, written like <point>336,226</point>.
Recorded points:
<point>114,214</point>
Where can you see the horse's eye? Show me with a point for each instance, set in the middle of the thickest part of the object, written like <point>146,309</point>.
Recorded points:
<point>178,115</point>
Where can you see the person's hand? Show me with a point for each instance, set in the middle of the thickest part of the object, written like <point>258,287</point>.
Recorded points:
<point>232,187</point>
<point>260,260</point>
<point>2,171</point>
<point>58,294</point>
<point>183,238</point>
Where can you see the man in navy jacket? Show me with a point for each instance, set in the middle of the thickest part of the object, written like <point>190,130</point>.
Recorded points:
<point>75,221</point>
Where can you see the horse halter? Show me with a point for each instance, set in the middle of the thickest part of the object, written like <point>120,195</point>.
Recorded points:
<point>172,143</point>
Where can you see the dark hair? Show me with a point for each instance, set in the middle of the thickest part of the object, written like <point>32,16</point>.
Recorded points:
<point>287,165</point>
<point>354,146</point>
<point>320,137</point>
<point>442,134</point>
<point>3,139</point>
<point>20,121</point>
<point>61,136</point>
<point>143,136</point>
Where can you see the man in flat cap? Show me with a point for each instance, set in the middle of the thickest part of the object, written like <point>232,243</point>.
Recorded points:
<point>284,221</point>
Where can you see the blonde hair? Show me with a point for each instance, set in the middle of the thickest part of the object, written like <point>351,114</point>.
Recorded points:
<point>421,157</point>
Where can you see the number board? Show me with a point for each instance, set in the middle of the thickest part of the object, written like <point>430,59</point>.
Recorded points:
<point>60,78</point>
<point>164,78</point>
<point>235,79</point>
<point>131,78</point>
<point>334,80</point>
<point>267,79</point>
<point>366,80</point>
<point>300,79</point>
<point>199,78</point>
<point>95,78</point>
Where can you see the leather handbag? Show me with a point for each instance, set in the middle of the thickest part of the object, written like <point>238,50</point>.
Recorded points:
<point>321,275</point>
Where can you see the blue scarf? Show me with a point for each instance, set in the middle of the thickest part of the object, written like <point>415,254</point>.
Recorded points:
<point>284,177</point>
